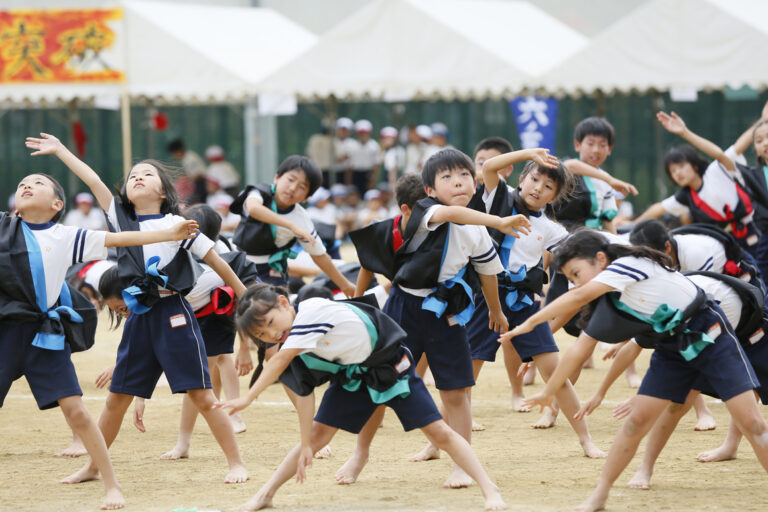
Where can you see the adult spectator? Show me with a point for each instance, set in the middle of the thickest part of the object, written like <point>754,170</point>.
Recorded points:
<point>222,170</point>
<point>85,215</point>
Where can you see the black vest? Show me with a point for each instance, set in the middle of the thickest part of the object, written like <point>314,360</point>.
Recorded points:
<point>251,235</point>
<point>377,244</point>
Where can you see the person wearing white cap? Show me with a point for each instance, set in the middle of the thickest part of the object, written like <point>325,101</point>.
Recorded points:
<point>343,147</point>
<point>373,210</point>
<point>365,160</point>
<point>221,170</point>
<point>321,208</point>
<point>437,141</point>
<point>392,155</point>
<point>418,138</point>
<point>85,215</point>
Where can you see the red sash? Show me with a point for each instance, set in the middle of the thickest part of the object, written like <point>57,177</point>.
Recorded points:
<point>397,235</point>
<point>728,217</point>
<point>223,302</point>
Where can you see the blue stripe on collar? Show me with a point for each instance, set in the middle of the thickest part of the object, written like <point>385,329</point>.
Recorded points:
<point>285,211</point>
<point>142,218</point>
<point>44,225</point>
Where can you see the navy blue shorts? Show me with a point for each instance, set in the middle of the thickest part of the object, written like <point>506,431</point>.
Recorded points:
<point>484,342</point>
<point>164,339</point>
<point>445,346</point>
<point>350,410</point>
<point>268,275</point>
<point>218,334</point>
<point>758,358</point>
<point>722,369</point>
<point>50,373</point>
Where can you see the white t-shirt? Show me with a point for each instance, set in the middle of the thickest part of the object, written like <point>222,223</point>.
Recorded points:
<point>327,213</point>
<point>394,158</point>
<point>199,246</point>
<point>298,215</point>
<point>64,246</point>
<point>342,151</point>
<point>93,274</point>
<point>94,220</point>
<point>646,285</point>
<point>527,250</point>
<point>200,295</point>
<point>193,165</point>
<point>224,172</point>
<point>466,243</point>
<point>330,330</point>
<point>728,299</point>
<point>699,252</point>
<point>365,156</point>
<point>718,189</point>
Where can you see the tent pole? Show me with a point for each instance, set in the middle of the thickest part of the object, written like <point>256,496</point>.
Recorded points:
<point>125,118</point>
<point>72,181</point>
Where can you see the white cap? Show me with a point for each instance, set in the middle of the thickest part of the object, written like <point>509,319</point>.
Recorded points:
<point>424,131</point>
<point>372,194</point>
<point>439,129</point>
<point>338,190</point>
<point>321,194</point>
<point>363,125</point>
<point>214,153</point>
<point>222,200</point>
<point>344,122</point>
<point>388,131</point>
<point>83,198</point>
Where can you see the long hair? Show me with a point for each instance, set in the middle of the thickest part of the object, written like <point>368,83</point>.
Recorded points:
<point>585,244</point>
<point>110,285</point>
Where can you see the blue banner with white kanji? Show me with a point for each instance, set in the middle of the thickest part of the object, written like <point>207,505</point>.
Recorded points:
<point>536,120</point>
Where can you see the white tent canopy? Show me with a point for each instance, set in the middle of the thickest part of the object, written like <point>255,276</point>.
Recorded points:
<point>662,45</point>
<point>401,49</point>
<point>175,53</point>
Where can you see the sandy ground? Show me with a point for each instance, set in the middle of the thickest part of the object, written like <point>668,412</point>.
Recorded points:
<point>535,469</point>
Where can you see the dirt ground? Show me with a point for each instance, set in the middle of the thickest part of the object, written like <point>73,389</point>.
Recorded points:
<point>535,469</point>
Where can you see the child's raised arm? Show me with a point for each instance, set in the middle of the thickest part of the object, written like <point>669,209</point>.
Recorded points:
<point>675,124</point>
<point>512,225</point>
<point>492,166</point>
<point>181,231</point>
<point>745,139</point>
<point>50,145</point>
<point>584,169</point>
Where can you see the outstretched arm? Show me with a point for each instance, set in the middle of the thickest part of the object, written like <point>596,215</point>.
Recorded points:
<point>745,139</point>
<point>213,260</point>
<point>50,145</point>
<point>492,166</point>
<point>584,169</point>
<point>260,212</point>
<point>654,211</point>
<point>675,124</point>
<point>512,225</point>
<point>326,265</point>
<point>181,231</point>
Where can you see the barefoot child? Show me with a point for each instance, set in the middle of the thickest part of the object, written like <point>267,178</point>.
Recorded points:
<point>38,325</point>
<point>360,350</point>
<point>161,334</point>
<point>273,220</point>
<point>663,310</point>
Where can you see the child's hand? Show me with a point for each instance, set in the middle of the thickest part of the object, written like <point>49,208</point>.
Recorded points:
<point>622,410</point>
<point>105,376</point>
<point>523,369</point>
<point>184,230</point>
<point>303,234</point>
<point>542,157</point>
<point>138,414</point>
<point>234,405</point>
<point>243,361</point>
<point>304,462</point>
<point>497,321</point>
<point>517,331</point>
<point>539,399</point>
<point>589,406</point>
<point>623,187</point>
<point>47,145</point>
<point>348,289</point>
<point>513,225</point>
<point>671,122</point>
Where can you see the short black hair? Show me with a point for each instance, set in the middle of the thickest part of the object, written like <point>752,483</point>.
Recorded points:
<point>598,126</point>
<point>305,165</point>
<point>500,144</point>
<point>683,154</point>
<point>445,159</point>
<point>207,219</point>
<point>175,145</point>
<point>409,189</point>
<point>651,233</point>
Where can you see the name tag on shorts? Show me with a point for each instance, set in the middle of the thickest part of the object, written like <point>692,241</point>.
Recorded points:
<point>745,277</point>
<point>403,365</point>
<point>178,320</point>
<point>275,273</point>
<point>451,320</point>
<point>714,331</point>
<point>757,336</point>
<point>752,239</point>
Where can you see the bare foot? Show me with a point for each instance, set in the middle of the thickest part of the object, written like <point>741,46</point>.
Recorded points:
<point>530,376</point>
<point>458,479</point>
<point>176,453</point>
<point>428,453</point>
<point>718,454</point>
<point>238,425</point>
<point>633,379</point>
<point>258,502</point>
<point>348,473</point>
<point>324,452</point>
<point>494,501</point>
<point>641,480</point>
<point>547,420</point>
<point>704,422</point>
<point>113,500</point>
<point>85,474</point>
<point>517,404</point>
<point>76,449</point>
<point>592,451</point>
<point>236,475</point>
<point>592,504</point>
<point>477,427</point>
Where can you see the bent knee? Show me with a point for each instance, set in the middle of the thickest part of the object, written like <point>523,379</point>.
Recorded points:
<point>77,416</point>
<point>440,434</point>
